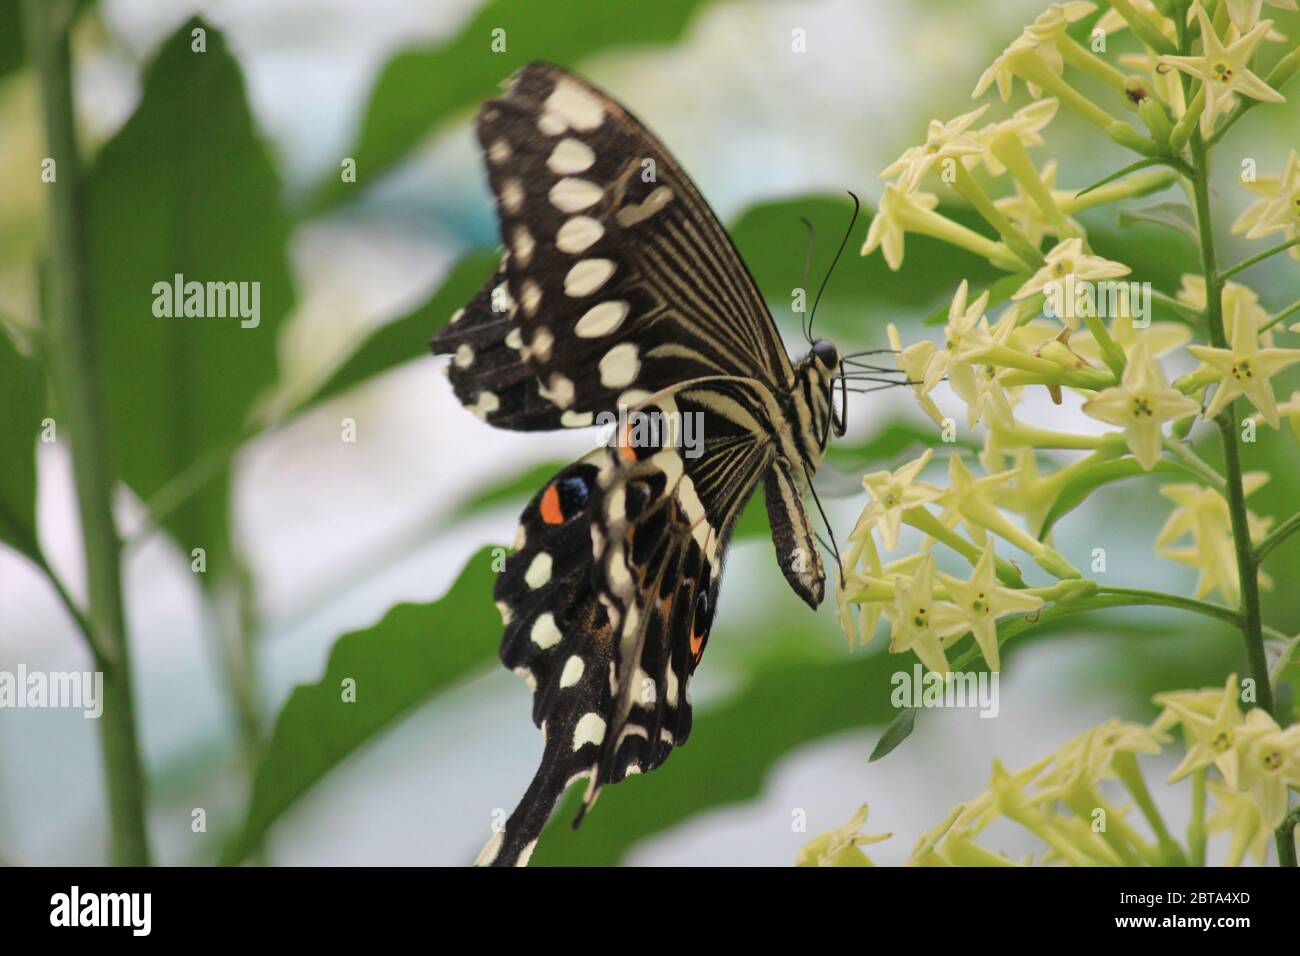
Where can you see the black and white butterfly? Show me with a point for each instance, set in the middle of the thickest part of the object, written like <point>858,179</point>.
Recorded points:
<point>618,288</point>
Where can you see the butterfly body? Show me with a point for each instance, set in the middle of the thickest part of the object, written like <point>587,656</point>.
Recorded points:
<point>620,294</point>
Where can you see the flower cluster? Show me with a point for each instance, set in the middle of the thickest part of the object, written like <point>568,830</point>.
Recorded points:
<point>1245,761</point>
<point>1068,318</point>
<point>1147,365</point>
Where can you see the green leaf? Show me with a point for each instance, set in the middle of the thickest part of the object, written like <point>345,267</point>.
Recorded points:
<point>1119,174</point>
<point>421,89</point>
<point>899,729</point>
<point>186,187</point>
<point>1172,215</point>
<point>408,338</point>
<point>416,651</point>
<point>22,400</point>
<point>1089,479</point>
<point>740,736</point>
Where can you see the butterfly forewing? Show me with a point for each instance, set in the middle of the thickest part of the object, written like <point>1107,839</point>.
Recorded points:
<point>619,279</point>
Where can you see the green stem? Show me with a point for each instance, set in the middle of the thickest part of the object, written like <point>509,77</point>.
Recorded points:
<point>1196,462</point>
<point>1286,313</point>
<point>1286,838</point>
<point>1259,257</point>
<point>1125,765</point>
<point>1142,596</point>
<point>1252,623</point>
<point>1187,312</point>
<point>70,328</point>
<point>1196,829</point>
<point>1277,536</point>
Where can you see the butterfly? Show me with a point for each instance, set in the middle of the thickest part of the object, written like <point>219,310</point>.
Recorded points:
<point>621,298</point>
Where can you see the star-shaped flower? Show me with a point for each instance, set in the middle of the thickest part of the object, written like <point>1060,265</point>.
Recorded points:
<point>962,318</point>
<point>890,224</point>
<point>1141,404</point>
<point>1066,266</point>
<point>892,493</point>
<point>921,623</point>
<point>839,847</point>
<point>1225,68</point>
<point>1038,40</point>
<point>943,141</point>
<point>1279,210</point>
<point>982,600</point>
<point>1212,739</point>
<point>1245,368</point>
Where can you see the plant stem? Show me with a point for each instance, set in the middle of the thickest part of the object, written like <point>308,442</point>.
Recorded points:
<point>1289,311</point>
<point>70,328</point>
<point>1258,257</point>
<point>1277,536</point>
<point>1141,596</point>
<point>1196,829</point>
<point>1252,623</point>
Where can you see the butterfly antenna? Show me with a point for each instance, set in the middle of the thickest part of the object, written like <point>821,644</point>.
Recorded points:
<point>805,325</point>
<point>857,205</point>
<point>839,563</point>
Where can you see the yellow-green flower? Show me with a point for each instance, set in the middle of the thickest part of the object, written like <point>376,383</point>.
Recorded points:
<point>1279,209</point>
<point>1025,124</point>
<point>840,846</point>
<point>1245,13</point>
<point>1037,40</point>
<point>1066,265</point>
<point>982,600</point>
<point>912,362</point>
<point>1237,813</point>
<point>1203,513</point>
<point>897,211</point>
<point>1089,758</point>
<point>962,318</point>
<point>920,622</point>
<point>1225,68</point>
<point>892,493</point>
<point>942,141</point>
<point>1245,368</point>
<point>1213,738</point>
<point>1141,404</point>
<point>1028,215</point>
<point>1269,764</point>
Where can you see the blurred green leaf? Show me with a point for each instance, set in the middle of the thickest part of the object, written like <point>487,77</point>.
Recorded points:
<point>1172,215</point>
<point>899,729</point>
<point>22,399</point>
<point>1089,479</point>
<point>186,187</point>
<point>11,37</point>
<point>408,337</point>
<point>421,89</point>
<point>414,652</point>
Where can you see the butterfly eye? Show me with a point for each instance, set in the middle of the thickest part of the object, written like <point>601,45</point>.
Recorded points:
<point>827,354</point>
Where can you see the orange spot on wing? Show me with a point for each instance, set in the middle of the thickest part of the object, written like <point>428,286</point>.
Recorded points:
<point>697,645</point>
<point>552,513</point>
<point>625,446</point>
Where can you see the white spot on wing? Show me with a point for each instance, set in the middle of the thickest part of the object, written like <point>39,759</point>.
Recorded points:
<point>574,195</point>
<point>512,195</point>
<point>619,366</point>
<point>539,571</point>
<point>485,404</point>
<point>587,276</point>
<point>570,156</point>
<point>578,234</point>
<point>544,633</point>
<point>464,356</point>
<point>590,730</point>
<point>572,672</point>
<point>491,849</point>
<point>575,106</point>
<point>577,419</point>
<point>601,319</point>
